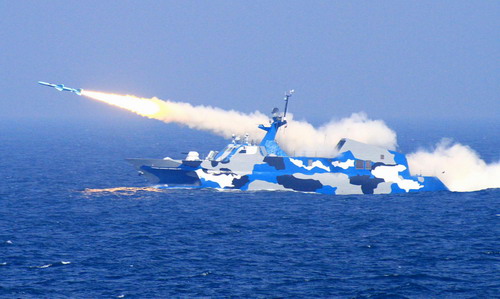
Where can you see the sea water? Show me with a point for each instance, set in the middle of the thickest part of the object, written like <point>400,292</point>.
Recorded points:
<point>77,221</point>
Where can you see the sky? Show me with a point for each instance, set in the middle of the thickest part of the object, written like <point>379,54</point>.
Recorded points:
<point>394,60</point>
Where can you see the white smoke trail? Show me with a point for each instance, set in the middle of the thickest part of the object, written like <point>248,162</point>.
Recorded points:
<point>302,138</point>
<point>305,139</point>
<point>458,166</point>
<point>216,120</point>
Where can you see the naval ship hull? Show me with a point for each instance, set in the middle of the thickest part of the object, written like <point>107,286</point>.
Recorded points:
<point>357,169</point>
<point>167,172</point>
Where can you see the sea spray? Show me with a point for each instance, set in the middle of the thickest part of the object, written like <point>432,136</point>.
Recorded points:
<point>458,166</point>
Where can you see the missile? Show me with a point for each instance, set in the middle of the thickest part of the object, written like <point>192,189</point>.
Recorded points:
<point>61,87</point>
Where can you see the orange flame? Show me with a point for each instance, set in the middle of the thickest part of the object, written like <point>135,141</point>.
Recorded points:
<point>151,108</point>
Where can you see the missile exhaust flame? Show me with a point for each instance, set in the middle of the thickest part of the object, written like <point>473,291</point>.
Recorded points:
<point>142,106</point>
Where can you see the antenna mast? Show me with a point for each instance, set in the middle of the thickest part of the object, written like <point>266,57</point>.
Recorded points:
<point>288,94</point>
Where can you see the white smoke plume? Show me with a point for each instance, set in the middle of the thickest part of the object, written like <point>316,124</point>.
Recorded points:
<point>458,166</point>
<point>304,138</point>
<point>215,120</point>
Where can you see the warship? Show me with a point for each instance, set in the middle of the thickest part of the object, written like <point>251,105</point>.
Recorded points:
<point>357,168</point>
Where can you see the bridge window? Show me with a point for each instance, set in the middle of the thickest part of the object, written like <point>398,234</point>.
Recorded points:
<point>368,165</point>
<point>360,164</point>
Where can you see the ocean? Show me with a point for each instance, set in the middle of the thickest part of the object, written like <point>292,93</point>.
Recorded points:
<point>76,221</point>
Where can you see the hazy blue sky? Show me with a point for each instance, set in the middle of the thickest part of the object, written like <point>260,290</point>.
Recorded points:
<point>391,59</point>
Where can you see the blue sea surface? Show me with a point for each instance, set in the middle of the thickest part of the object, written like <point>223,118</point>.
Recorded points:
<point>77,222</point>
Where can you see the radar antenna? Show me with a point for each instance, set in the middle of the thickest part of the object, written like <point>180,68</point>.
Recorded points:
<point>288,94</point>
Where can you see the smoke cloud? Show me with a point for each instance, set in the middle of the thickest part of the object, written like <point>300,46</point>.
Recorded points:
<point>303,139</point>
<point>458,166</point>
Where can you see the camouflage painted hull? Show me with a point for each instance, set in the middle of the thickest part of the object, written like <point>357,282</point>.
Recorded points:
<point>357,169</point>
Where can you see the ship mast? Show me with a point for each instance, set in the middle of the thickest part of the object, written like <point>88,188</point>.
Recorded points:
<point>269,142</point>
<point>287,97</point>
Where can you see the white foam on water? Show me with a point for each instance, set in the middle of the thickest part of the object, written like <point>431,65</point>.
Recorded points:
<point>42,267</point>
<point>458,166</point>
